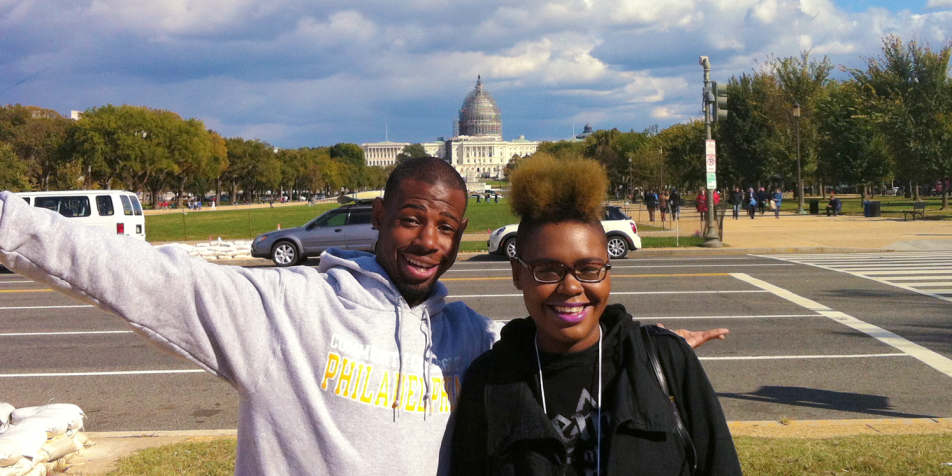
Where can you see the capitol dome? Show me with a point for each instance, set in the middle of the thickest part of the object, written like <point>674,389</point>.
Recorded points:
<point>480,116</point>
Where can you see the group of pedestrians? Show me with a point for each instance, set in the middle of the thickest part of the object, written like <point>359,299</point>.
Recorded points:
<point>754,200</point>
<point>664,203</point>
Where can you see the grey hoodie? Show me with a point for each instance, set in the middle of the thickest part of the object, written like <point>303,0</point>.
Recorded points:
<point>337,375</point>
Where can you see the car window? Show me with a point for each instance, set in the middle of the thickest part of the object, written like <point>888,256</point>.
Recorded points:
<point>332,218</point>
<point>136,206</point>
<point>126,206</point>
<point>359,217</point>
<point>612,213</point>
<point>66,206</point>
<point>27,200</point>
<point>104,205</point>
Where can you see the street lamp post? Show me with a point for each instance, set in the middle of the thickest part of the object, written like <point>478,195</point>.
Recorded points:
<point>711,237</point>
<point>796,116</point>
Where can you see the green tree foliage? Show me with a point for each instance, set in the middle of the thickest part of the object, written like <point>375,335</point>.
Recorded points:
<point>411,151</point>
<point>750,142</point>
<point>38,138</point>
<point>13,170</point>
<point>907,93</point>
<point>684,154</point>
<point>850,149</point>
<point>252,167</point>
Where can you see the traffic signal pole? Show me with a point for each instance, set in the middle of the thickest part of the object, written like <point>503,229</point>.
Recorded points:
<point>711,239</point>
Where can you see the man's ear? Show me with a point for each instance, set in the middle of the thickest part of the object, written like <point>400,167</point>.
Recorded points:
<point>378,213</point>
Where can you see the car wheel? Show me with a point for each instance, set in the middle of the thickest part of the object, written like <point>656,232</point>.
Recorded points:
<point>617,247</point>
<point>509,248</point>
<point>284,254</point>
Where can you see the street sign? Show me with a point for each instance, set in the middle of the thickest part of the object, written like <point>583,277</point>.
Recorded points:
<point>710,148</point>
<point>710,156</point>
<point>711,180</point>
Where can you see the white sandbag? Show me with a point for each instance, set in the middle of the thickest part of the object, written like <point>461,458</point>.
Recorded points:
<point>69,412</point>
<point>56,448</point>
<point>5,411</point>
<point>38,470</point>
<point>25,439</point>
<point>21,468</point>
<point>52,426</point>
<point>9,453</point>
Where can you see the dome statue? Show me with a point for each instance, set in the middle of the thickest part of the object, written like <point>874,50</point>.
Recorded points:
<point>480,116</point>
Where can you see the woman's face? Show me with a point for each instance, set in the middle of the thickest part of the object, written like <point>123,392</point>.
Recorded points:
<point>566,313</point>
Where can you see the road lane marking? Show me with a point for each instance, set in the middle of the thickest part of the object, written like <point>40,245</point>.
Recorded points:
<point>26,290</point>
<point>16,282</point>
<point>926,356</point>
<point>807,357</point>
<point>22,308</point>
<point>682,275</point>
<point>67,333</point>
<point>761,316</point>
<point>101,374</point>
<point>617,266</point>
<point>617,293</point>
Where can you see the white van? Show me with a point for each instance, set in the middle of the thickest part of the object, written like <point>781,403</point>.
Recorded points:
<point>116,211</point>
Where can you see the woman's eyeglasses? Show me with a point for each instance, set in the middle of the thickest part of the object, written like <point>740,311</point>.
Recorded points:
<point>550,273</point>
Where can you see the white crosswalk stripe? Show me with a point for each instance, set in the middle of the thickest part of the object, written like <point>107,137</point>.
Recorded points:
<point>927,272</point>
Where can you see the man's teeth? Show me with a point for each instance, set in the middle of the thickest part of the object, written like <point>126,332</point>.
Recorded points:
<point>569,309</point>
<point>418,264</point>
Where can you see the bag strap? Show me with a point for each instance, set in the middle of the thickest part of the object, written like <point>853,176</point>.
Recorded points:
<point>682,430</point>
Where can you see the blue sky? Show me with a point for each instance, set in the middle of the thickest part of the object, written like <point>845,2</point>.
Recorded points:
<point>311,73</point>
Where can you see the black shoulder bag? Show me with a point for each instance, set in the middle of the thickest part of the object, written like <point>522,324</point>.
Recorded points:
<point>682,430</point>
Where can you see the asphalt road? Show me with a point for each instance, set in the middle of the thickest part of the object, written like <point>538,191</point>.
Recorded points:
<point>806,343</point>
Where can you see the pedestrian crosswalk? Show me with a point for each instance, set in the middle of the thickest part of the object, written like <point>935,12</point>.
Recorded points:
<point>928,272</point>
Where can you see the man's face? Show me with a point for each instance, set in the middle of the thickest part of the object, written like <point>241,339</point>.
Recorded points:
<point>420,229</point>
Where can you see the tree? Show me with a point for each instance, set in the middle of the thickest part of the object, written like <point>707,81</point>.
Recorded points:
<point>38,138</point>
<point>13,171</point>
<point>908,94</point>
<point>684,151</point>
<point>849,147</point>
<point>411,151</point>
<point>750,142</point>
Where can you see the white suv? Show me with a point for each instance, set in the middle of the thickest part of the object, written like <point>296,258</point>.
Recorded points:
<point>620,228</point>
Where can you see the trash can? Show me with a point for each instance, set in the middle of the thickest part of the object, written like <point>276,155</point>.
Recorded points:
<point>866,209</point>
<point>814,207</point>
<point>874,209</point>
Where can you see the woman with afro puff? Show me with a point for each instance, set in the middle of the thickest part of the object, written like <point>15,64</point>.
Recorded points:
<point>576,387</point>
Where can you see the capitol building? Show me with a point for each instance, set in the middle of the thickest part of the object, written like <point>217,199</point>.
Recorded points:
<point>477,149</point>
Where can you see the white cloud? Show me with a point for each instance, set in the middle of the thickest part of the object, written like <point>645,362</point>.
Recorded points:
<point>311,73</point>
<point>937,4</point>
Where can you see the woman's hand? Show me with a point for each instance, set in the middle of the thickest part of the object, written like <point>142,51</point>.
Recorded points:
<point>696,338</point>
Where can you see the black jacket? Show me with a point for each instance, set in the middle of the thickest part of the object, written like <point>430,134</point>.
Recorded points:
<point>501,428</point>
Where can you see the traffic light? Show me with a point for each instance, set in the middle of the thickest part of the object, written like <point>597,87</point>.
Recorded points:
<point>719,102</point>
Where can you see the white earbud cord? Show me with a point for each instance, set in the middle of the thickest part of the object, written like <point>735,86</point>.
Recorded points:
<point>598,425</point>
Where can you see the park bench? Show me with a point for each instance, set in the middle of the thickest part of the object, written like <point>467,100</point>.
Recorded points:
<point>918,208</point>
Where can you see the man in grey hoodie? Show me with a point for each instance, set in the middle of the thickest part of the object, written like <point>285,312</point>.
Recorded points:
<point>352,368</point>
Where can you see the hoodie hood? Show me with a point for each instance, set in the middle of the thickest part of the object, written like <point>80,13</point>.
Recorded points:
<point>357,277</point>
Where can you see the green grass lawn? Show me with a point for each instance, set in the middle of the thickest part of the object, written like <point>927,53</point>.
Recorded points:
<point>889,206</point>
<point>246,224</point>
<point>863,455</point>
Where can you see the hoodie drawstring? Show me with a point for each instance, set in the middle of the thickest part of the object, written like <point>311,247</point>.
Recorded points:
<point>427,363</point>
<point>397,330</point>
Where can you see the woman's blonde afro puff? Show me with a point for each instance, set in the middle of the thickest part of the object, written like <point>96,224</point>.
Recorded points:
<point>544,189</point>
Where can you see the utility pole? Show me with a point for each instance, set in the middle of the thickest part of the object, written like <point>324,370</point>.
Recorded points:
<point>710,234</point>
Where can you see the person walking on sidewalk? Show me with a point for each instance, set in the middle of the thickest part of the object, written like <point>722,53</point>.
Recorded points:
<point>762,197</point>
<point>674,202</point>
<point>702,203</point>
<point>777,200</point>
<point>751,202</point>
<point>663,206</point>
<point>651,202</point>
<point>736,199</point>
